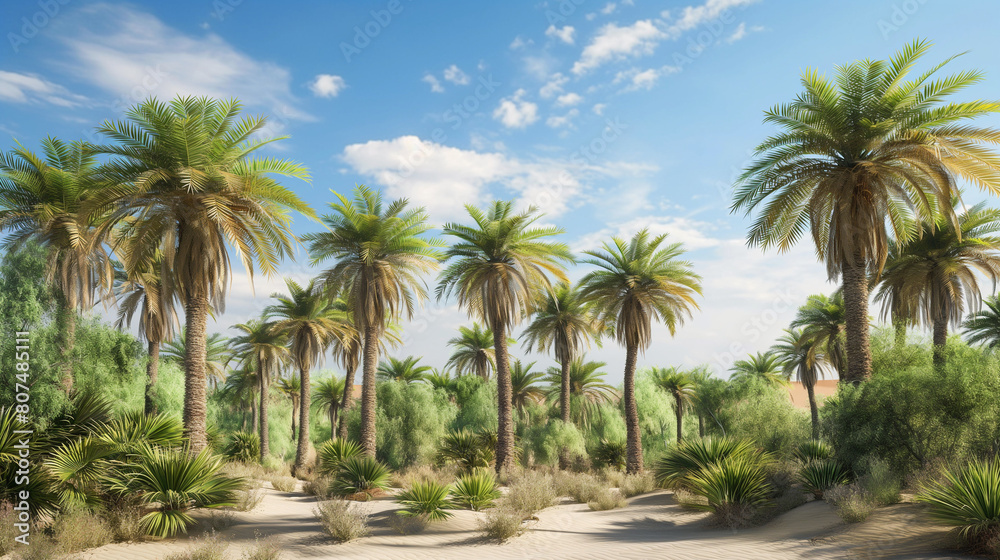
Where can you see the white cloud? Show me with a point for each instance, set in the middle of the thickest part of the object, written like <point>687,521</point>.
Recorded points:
<point>29,88</point>
<point>553,86</point>
<point>568,100</point>
<point>694,234</point>
<point>132,54</point>
<point>598,108</point>
<point>615,43</point>
<point>455,75</point>
<point>565,34</point>
<point>519,43</point>
<point>327,85</point>
<point>693,16</point>
<point>564,120</point>
<point>636,79</point>
<point>515,112</point>
<point>435,84</point>
<point>541,67</point>
<point>608,8</point>
<point>742,31</point>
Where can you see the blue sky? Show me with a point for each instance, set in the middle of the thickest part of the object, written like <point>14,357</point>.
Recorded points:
<point>609,117</point>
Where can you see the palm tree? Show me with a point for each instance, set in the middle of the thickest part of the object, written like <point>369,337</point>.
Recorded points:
<point>934,276</point>
<point>473,351</point>
<point>147,294</point>
<point>240,389</point>
<point>823,319</point>
<point>799,351</point>
<point>42,200</point>
<point>380,253</point>
<point>329,398</point>
<point>264,350</point>
<point>767,367</point>
<point>499,267</point>
<point>983,327</point>
<point>638,281</point>
<point>186,184</point>
<point>678,385</point>
<point>859,156</point>
<point>218,354</point>
<point>702,378</point>
<point>564,326</point>
<point>291,387</point>
<point>586,386</point>
<point>440,379</point>
<point>310,322</point>
<point>523,385</point>
<point>405,370</point>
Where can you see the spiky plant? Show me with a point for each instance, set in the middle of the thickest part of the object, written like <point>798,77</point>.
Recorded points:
<point>331,454</point>
<point>360,477</point>
<point>428,499</point>
<point>968,499</point>
<point>820,475</point>
<point>476,490</point>
<point>690,457</point>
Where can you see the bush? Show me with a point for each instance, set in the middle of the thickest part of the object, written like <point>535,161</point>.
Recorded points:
<point>476,490</point>
<point>635,484</point>
<point>123,515</point>
<point>210,549</point>
<point>284,483</point>
<point>819,476</point>
<point>342,521</point>
<point>77,529</point>
<point>582,488</point>
<point>502,523</point>
<point>530,493</point>
<point>813,450</point>
<point>882,485</point>
<point>610,454</point>
<point>243,447</point>
<point>8,517</point>
<point>466,449</point>
<point>423,473</point>
<point>607,499</point>
<point>852,502</point>
<point>360,477</point>
<point>968,499</point>
<point>429,500</point>
<point>693,456</point>
<point>548,440</point>
<point>268,549</point>
<point>334,452</point>
<point>733,487</point>
<point>249,497</point>
<point>319,487</point>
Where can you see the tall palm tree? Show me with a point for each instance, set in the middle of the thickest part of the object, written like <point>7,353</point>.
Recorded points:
<point>405,370</point>
<point>935,276</point>
<point>524,385</point>
<point>380,253</point>
<point>766,366</point>
<point>681,387</point>
<point>310,322</point>
<point>499,267</point>
<point>291,387</point>
<point>800,353</point>
<point>147,294</point>
<point>564,325</point>
<point>473,351</point>
<point>264,349</point>
<point>823,319</point>
<point>983,327</point>
<point>636,282</point>
<point>329,398</point>
<point>218,354</point>
<point>41,200</point>
<point>240,390</point>
<point>586,386</point>
<point>187,185</point>
<point>346,350</point>
<point>859,156</point>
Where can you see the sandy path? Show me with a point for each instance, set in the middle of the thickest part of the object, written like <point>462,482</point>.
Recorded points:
<point>652,526</point>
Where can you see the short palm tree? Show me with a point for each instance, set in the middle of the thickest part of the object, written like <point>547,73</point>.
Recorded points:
<point>524,385</point>
<point>766,367</point>
<point>823,319</point>
<point>681,387</point>
<point>499,269</point>
<point>637,281</point>
<point>473,351</point>
<point>240,391</point>
<point>586,387</point>
<point>405,370</point>
<point>264,349</point>
<point>933,278</point>
<point>42,199</point>
<point>329,398</point>
<point>310,322</point>
<point>983,327</point>
<point>800,353</point>
<point>380,253</point>
<point>218,354</point>
<point>291,387</point>
<point>861,155</point>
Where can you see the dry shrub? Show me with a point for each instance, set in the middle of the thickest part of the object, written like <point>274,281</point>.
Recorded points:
<point>250,496</point>
<point>250,471</point>
<point>8,517</point>
<point>581,487</point>
<point>212,548</point>
<point>78,529</point>
<point>635,484</point>
<point>502,523</point>
<point>689,500</point>
<point>341,520</point>
<point>408,525</point>
<point>607,499</point>
<point>444,475</point>
<point>123,517</point>
<point>267,549</point>
<point>283,483</point>
<point>852,502</point>
<point>41,548</point>
<point>319,487</point>
<point>530,493</point>
<point>613,477</point>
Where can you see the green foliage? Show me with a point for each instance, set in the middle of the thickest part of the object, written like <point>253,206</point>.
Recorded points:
<point>733,487</point>
<point>331,454</point>
<point>610,454</point>
<point>477,401</point>
<point>813,450</point>
<point>427,499</point>
<point>821,475</point>
<point>360,477</point>
<point>243,447</point>
<point>468,450</point>
<point>476,490</point>
<point>692,456</point>
<point>657,420</point>
<point>969,499</point>
<point>548,440</point>
<point>764,413</point>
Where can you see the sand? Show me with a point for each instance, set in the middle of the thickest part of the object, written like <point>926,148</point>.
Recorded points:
<point>652,526</point>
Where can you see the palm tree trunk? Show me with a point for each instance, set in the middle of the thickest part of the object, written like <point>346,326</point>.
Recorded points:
<point>152,371</point>
<point>859,357</point>
<point>701,426</point>
<point>302,449</point>
<point>264,433</point>
<point>196,317</point>
<point>633,460</point>
<point>295,415</point>
<point>940,340</point>
<point>254,425</point>
<point>333,422</point>
<point>813,409</point>
<point>67,351</point>
<point>505,424</point>
<point>345,404</point>
<point>564,409</point>
<point>680,418</point>
<point>368,398</point>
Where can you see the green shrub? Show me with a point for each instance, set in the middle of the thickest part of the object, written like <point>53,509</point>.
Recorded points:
<point>477,402</point>
<point>607,499</point>
<point>466,449</point>
<point>360,477</point>
<point>426,499</point>
<point>763,413</point>
<point>694,455</point>
<point>334,452</point>
<point>880,483</point>
<point>548,440</point>
<point>853,503</point>
<point>243,447</point>
<point>342,521</point>
<point>734,488</point>
<point>818,476</point>
<point>968,499</point>
<point>813,450</point>
<point>476,490</point>
<point>610,454</point>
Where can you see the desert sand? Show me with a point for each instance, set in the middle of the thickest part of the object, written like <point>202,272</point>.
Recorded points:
<point>652,526</point>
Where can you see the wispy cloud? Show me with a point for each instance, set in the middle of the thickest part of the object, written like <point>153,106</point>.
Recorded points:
<point>434,83</point>
<point>617,43</point>
<point>30,88</point>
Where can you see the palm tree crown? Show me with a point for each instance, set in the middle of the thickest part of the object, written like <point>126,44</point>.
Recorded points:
<point>679,385</point>
<point>473,351</point>
<point>405,370</point>
<point>983,327</point>
<point>766,366</point>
